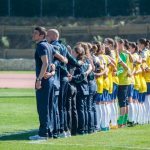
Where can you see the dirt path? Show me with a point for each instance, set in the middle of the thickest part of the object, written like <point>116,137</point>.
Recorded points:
<point>17,80</point>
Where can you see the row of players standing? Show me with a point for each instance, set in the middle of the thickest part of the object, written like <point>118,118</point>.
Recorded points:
<point>78,94</point>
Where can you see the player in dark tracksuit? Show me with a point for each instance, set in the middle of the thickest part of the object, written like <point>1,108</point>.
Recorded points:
<point>80,79</point>
<point>72,116</point>
<point>43,59</point>
<point>53,37</point>
<point>63,111</point>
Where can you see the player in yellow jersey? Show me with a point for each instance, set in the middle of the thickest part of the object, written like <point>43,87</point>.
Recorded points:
<point>133,101</point>
<point>114,82</point>
<point>105,96</point>
<point>124,81</point>
<point>142,116</point>
<point>99,74</point>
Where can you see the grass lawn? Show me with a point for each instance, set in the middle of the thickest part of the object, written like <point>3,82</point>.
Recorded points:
<point>18,114</point>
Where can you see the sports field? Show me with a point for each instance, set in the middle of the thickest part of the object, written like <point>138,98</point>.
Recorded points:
<point>18,120</point>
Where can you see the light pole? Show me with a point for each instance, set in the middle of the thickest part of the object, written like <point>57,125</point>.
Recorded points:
<point>73,8</point>
<point>9,9</point>
<point>106,7</point>
<point>41,8</point>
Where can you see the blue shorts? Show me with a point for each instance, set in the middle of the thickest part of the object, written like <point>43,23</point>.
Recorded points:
<point>148,88</point>
<point>98,97</point>
<point>123,95</point>
<point>135,94</point>
<point>106,96</point>
<point>115,91</point>
<point>142,97</point>
<point>130,90</point>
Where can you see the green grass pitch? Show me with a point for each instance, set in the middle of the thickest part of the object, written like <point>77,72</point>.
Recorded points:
<point>18,114</point>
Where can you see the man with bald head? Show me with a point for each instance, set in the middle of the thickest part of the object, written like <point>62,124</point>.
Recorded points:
<point>52,35</point>
<point>53,38</point>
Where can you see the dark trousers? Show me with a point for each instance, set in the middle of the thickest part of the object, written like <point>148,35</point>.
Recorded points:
<point>44,99</point>
<point>72,118</point>
<point>82,113</point>
<point>62,105</point>
<point>91,106</point>
<point>56,120</point>
<point>90,112</point>
<point>94,112</point>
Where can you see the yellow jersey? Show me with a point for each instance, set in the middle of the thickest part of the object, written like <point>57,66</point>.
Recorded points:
<point>100,80</point>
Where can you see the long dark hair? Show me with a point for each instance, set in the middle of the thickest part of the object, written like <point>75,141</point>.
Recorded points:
<point>134,45</point>
<point>81,53</point>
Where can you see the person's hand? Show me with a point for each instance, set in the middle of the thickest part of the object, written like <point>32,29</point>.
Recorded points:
<point>114,73</point>
<point>47,75</point>
<point>70,77</point>
<point>80,62</point>
<point>126,51</point>
<point>129,73</point>
<point>106,75</point>
<point>52,67</point>
<point>38,85</point>
<point>147,69</point>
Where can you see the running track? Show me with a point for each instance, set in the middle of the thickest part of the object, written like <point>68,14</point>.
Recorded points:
<point>17,80</point>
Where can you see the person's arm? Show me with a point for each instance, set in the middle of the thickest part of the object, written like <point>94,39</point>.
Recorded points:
<point>147,69</point>
<point>72,60</point>
<point>89,70</point>
<point>50,74</point>
<point>61,58</point>
<point>131,58</point>
<point>44,59</point>
<point>92,63</point>
<point>123,64</point>
<point>111,62</point>
<point>101,73</point>
<point>138,71</point>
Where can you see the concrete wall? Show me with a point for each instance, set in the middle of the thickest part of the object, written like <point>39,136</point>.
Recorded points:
<point>17,64</point>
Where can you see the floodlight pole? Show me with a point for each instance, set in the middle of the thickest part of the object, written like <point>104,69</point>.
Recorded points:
<point>106,7</point>
<point>41,8</point>
<point>73,8</point>
<point>9,9</point>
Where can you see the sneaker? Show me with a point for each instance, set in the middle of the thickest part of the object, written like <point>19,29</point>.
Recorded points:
<point>104,129</point>
<point>37,137</point>
<point>55,136</point>
<point>68,134</point>
<point>122,126</point>
<point>63,135</point>
<point>81,133</point>
<point>114,127</point>
<point>130,124</point>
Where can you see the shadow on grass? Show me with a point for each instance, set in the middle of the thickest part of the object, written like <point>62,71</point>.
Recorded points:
<point>18,136</point>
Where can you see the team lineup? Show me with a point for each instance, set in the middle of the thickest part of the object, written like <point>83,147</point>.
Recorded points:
<point>78,90</point>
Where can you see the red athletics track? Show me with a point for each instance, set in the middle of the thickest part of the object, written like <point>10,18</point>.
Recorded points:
<point>17,80</point>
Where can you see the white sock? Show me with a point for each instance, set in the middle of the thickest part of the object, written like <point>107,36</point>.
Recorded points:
<point>113,115</point>
<point>144,114</point>
<point>116,109</point>
<point>141,115</point>
<point>137,112</point>
<point>146,103</point>
<point>108,112</point>
<point>149,109</point>
<point>98,116</point>
<point>104,116</point>
<point>131,112</point>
